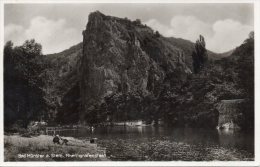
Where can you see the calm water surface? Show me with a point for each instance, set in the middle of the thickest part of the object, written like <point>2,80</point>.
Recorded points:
<point>141,143</point>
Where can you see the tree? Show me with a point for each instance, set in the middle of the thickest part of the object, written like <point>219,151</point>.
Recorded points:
<point>157,34</point>
<point>245,67</point>
<point>199,55</point>
<point>8,49</point>
<point>32,48</point>
<point>251,35</point>
<point>23,95</point>
<point>137,21</point>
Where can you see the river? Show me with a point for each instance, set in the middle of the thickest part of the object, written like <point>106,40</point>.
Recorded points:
<point>163,144</point>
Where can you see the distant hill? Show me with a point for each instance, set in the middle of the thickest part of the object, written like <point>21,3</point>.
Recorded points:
<point>226,54</point>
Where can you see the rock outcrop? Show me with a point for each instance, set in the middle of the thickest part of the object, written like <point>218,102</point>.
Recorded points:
<point>122,56</point>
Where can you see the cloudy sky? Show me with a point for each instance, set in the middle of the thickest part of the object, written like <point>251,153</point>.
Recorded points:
<point>59,26</point>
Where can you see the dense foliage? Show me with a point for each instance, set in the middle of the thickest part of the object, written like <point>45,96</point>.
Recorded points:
<point>23,94</point>
<point>245,68</point>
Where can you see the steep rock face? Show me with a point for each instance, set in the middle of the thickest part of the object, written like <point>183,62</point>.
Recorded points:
<point>121,56</point>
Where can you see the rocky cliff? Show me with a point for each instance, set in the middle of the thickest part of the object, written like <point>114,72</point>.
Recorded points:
<point>126,59</point>
<point>122,56</point>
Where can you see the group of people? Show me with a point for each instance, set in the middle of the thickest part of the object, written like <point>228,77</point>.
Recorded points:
<point>58,140</point>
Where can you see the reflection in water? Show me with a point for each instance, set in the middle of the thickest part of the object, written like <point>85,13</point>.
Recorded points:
<point>140,129</point>
<point>236,139</point>
<point>199,137</point>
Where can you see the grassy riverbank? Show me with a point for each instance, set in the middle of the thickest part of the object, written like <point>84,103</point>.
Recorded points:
<point>120,148</point>
<point>41,148</point>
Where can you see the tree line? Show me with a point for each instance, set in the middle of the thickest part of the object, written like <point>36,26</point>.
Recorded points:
<point>23,83</point>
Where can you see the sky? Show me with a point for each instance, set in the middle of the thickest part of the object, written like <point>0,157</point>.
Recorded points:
<point>59,26</point>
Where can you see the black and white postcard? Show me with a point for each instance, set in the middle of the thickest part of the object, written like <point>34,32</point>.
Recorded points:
<point>130,82</point>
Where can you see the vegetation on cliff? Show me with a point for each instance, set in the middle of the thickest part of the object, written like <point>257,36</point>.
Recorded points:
<point>124,70</point>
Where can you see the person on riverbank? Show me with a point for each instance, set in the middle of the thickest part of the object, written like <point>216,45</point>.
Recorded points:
<point>92,129</point>
<point>64,141</point>
<point>56,139</point>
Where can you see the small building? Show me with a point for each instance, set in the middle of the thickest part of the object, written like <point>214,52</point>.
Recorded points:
<point>229,113</point>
